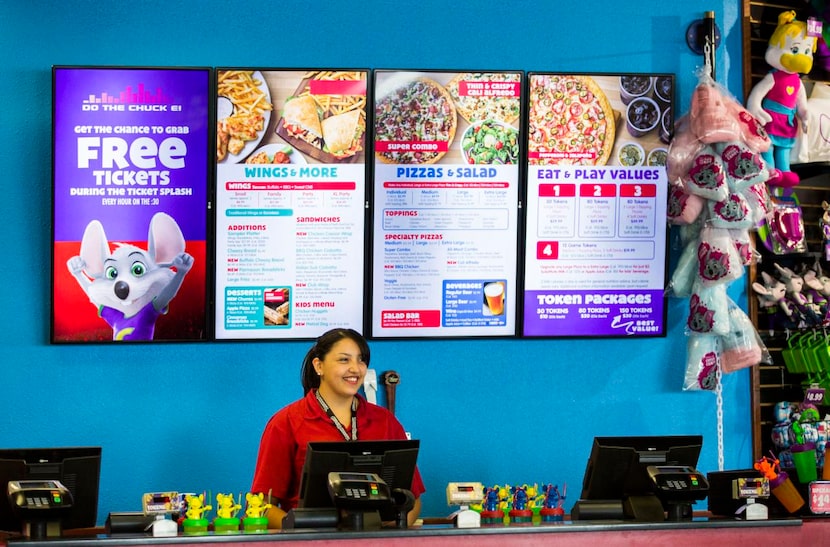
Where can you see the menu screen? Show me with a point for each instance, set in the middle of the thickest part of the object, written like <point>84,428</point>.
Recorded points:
<point>595,246</point>
<point>130,185</point>
<point>290,202</point>
<point>446,188</point>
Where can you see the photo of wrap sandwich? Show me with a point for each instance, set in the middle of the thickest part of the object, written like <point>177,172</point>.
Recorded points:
<point>338,98</point>
<point>301,120</point>
<point>343,133</point>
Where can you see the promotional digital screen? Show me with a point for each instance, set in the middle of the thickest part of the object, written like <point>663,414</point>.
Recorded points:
<point>291,202</point>
<point>447,158</point>
<point>595,251</point>
<point>130,185</point>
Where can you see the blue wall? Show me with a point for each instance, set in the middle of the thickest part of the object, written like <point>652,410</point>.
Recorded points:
<point>189,416</point>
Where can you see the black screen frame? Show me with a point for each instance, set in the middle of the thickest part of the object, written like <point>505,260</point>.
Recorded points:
<point>393,460</point>
<point>77,468</point>
<point>617,466</point>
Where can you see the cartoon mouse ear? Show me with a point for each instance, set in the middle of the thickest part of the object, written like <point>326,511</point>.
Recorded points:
<point>165,240</point>
<point>94,248</point>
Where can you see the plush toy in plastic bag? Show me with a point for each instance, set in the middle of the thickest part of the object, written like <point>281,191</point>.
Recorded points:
<point>708,310</point>
<point>744,167</point>
<point>779,100</point>
<point>718,259</point>
<point>712,259</point>
<point>742,346</point>
<point>751,130</point>
<point>732,213</point>
<point>701,363</point>
<point>709,116</point>
<point>706,177</point>
<point>746,253</point>
<point>683,148</point>
<point>683,208</point>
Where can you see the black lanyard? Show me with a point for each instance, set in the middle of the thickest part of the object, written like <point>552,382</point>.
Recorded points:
<point>334,419</point>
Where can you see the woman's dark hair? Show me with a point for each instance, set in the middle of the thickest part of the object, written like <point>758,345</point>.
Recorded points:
<point>324,343</point>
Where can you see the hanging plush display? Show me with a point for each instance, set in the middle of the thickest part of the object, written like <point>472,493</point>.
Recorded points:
<point>718,195</point>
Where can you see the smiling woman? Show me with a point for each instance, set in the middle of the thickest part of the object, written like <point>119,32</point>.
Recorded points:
<point>332,410</point>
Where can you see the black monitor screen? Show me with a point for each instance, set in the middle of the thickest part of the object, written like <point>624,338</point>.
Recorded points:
<point>394,461</point>
<point>617,466</point>
<point>77,468</point>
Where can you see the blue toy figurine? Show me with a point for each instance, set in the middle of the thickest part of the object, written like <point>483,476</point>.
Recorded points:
<point>491,512</point>
<point>552,510</point>
<point>520,511</point>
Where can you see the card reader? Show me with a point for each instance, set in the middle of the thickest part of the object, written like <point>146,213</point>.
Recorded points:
<point>359,491</point>
<point>40,504</point>
<point>678,486</point>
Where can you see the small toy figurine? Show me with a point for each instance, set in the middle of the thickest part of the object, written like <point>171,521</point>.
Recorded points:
<point>773,303</point>
<point>779,100</point>
<point>196,507</point>
<point>794,285</point>
<point>552,510</point>
<point>824,224</point>
<point>255,521</point>
<point>768,467</point>
<point>520,511</point>
<point>195,523</point>
<point>780,484</point>
<point>492,512</point>
<point>256,508</point>
<point>491,498</point>
<point>226,510</point>
<point>225,506</point>
<point>814,291</point>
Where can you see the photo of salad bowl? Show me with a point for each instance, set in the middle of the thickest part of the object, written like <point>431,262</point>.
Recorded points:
<point>490,142</point>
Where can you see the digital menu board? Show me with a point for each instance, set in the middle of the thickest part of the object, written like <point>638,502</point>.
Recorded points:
<point>130,185</point>
<point>290,202</point>
<point>447,160</point>
<point>595,246</point>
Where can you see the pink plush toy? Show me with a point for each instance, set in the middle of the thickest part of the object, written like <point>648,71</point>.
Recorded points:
<point>710,118</point>
<point>779,100</point>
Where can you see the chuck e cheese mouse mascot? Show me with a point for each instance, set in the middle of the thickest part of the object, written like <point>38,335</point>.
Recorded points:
<point>779,100</point>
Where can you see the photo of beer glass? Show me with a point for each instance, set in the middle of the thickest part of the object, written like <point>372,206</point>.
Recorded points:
<point>494,296</point>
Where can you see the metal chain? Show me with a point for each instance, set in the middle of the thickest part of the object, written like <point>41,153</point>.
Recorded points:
<point>719,394</point>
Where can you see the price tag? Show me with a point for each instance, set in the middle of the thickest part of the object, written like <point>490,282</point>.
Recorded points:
<point>814,395</point>
<point>814,27</point>
<point>819,494</point>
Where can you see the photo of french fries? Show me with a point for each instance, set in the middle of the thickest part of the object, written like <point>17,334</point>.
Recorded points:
<point>247,121</point>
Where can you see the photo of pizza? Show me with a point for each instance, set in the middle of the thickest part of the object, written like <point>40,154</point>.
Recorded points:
<point>571,121</point>
<point>415,123</point>
<point>486,96</point>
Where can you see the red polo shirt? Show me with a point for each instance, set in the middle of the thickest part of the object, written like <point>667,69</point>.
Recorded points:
<point>284,443</point>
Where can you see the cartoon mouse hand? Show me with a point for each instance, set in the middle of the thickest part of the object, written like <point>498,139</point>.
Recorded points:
<point>76,265</point>
<point>183,262</point>
<point>761,115</point>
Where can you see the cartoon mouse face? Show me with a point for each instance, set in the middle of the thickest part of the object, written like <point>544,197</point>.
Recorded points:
<point>706,178</point>
<point>129,281</point>
<point>130,286</point>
